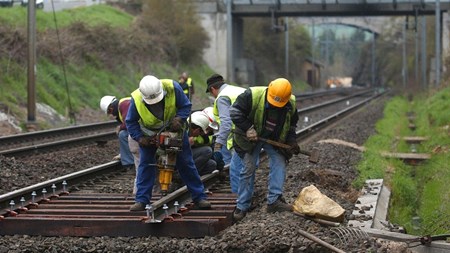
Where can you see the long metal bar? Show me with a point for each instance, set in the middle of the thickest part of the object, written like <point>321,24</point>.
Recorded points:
<point>31,62</point>
<point>424,52</point>
<point>230,46</point>
<point>286,48</point>
<point>438,43</point>
<point>405,67</point>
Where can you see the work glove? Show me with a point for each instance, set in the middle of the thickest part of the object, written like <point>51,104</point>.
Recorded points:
<point>217,147</point>
<point>118,130</point>
<point>286,154</point>
<point>251,134</point>
<point>295,148</point>
<point>146,141</point>
<point>176,124</point>
<point>218,157</point>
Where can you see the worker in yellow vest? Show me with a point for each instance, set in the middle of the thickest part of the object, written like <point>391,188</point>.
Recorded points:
<point>187,84</point>
<point>225,95</point>
<point>158,103</point>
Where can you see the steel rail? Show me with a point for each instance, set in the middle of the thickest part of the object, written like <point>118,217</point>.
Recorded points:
<point>97,214</point>
<point>105,136</point>
<point>52,133</point>
<point>334,101</point>
<point>72,178</point>
<point>305,132</point>
<point>40,148</point>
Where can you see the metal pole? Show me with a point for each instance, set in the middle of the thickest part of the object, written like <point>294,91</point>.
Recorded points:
<point>373,60</point>
<point>230,60</point>
<point>286,38</point>
<point>416,57</point>
<point>404,55</point>
<point>424,52</point>
<point>326,56</point>
<point>31,61</point>
<point>314,82</point>
<point>438,43</point>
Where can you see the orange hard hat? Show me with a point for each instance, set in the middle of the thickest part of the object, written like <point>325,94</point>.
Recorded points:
<point>279,92</point>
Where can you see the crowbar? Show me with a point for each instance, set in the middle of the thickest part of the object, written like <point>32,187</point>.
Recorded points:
<point>313,155</point>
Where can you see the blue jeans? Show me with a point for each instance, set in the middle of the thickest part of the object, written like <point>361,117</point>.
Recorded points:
<point>126,158</point>
<point>277,174</point>
<point>236,166</point>
<point>146,173</point>
<point>226,155</point>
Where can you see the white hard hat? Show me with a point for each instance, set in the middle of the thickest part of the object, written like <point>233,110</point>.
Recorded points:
<point>151,89</point>
<point>212,120</point>
<point>105,102</point>
<point>200,119</point>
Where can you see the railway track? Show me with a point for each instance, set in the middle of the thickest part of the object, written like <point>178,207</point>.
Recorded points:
<point>83,211</point>
<point>62,138</point>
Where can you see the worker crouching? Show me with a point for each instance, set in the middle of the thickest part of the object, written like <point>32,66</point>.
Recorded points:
<point>270,113</point>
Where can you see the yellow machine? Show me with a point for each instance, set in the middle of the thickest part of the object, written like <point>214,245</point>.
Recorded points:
<point>169,144</point>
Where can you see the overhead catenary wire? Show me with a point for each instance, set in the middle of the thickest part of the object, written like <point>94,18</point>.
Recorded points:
<point>63,66</point>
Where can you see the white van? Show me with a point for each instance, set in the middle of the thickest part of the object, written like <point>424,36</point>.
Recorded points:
<point>39,3</point>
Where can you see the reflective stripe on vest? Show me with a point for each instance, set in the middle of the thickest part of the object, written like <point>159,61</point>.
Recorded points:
<point>189,85</point>
<point>257,112</point>
<point>232,92</point>
<point>148,120</point>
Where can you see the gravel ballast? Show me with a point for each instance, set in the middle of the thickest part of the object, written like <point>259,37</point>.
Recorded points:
<point>259,231</point>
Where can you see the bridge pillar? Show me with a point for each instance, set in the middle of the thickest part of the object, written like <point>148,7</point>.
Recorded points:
<point>214,22</point>
<point>225,50</point>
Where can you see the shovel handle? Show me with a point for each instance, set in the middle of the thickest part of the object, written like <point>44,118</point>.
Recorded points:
<point>283,145</point>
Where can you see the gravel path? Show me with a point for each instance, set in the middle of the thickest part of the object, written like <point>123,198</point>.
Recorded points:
<point>257,232</point>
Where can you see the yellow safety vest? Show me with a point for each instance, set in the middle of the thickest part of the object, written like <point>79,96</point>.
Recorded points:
<point>189,85</point>
<point>232,92</point>
<point>148,120</point>
<point>257,112</point>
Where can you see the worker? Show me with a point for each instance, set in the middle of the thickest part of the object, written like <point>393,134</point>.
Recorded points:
<point>119,108</point>
<point>201,141</point>
<point>266,112</point>
<point>187,84</point>
<point>157,105</point>
<point>225,95</point>
<point>213,126</point>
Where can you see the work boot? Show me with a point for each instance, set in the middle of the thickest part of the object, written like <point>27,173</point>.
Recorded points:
<point>279,205</point>
<point>203,204</point>
<point>138,206</point>
<point>238,214</point>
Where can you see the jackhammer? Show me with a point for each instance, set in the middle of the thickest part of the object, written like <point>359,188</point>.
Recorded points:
<point>169,144</point>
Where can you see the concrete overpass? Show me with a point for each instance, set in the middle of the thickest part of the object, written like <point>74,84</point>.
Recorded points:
<point>223,20</point>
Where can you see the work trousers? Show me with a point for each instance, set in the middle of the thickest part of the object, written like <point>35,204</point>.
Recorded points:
<point>184,165</point>
<point>277,174</point>
<point>203,160</point>
<point>126,158</point>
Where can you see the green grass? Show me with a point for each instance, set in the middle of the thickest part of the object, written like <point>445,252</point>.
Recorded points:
<point>417,191</point>
<point>92,15</point>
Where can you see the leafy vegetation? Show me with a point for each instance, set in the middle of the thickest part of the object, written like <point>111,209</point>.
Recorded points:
<point>417,191</point>
<point>103,51</point>
<point>271,63</point>
<point>93,16</point>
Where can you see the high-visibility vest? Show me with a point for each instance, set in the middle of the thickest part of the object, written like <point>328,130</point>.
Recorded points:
<point>232,92</point>
<point>186,87</point>
<point>150,121</point>
<point>257,112</point>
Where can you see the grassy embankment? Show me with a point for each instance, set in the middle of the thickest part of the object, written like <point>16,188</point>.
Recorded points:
<point>417,191</point>
<point>88,80</point>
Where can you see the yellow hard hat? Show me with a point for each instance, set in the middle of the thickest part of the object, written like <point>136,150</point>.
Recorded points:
<point>279,92</point>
